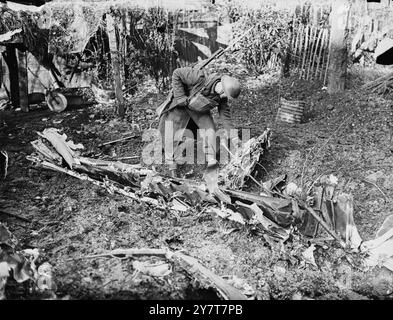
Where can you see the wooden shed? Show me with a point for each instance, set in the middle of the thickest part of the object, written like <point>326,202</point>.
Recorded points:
<point>36,75</point>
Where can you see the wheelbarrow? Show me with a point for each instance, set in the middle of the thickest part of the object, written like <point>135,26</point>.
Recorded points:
<point>58,97</point>
<point>55,100</point>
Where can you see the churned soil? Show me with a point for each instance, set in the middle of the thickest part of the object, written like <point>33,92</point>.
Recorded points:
<point>347,134</point>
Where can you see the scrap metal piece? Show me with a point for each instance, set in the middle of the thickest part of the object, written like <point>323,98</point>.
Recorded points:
<point>3,164</point>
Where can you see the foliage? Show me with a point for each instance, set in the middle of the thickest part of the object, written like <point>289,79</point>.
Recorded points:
<point>151,46</point>
<point>71,26</point>
<point>262,49</point>
<point>34,38</point>
<point>265,48</point>
<point>144,50</point>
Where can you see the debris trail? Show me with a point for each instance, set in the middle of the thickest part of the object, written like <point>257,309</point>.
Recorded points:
<point>275,213</point>
<point>109,186</point>
<point>227,291</point>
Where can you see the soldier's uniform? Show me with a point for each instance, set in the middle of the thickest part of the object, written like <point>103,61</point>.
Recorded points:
<point>186,81</point>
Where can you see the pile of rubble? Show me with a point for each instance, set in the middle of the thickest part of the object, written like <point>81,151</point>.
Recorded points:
<point>278,212</point>
<point>278,209</point>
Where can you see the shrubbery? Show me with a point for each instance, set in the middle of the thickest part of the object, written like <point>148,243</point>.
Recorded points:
<point>150,45</point>
<point>261,49</point>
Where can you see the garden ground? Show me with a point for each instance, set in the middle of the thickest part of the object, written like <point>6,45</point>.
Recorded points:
<point>347,134</point>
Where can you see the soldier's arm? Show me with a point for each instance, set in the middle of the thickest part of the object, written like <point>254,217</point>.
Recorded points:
<point>182,79</point>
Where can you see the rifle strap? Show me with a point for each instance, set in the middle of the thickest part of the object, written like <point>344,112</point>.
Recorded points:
<point>208,81</point>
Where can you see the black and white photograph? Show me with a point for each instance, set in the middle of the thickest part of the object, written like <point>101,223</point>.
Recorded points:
<point>199,156</point>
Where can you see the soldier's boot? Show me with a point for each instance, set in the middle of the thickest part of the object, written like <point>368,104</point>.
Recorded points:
<point>173,170</point>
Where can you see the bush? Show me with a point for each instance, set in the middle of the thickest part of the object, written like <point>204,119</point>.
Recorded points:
<point>263,48</point>
<point>151,45</point>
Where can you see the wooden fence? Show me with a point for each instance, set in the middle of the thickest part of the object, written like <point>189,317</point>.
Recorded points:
<point>197,34</point>
<point>309,51</point>
<point>196,38</point>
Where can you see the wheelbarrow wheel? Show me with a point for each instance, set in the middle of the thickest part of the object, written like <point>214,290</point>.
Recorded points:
<point>56,101</point>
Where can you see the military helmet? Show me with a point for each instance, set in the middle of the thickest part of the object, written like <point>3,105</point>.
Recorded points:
<point>231,86</point>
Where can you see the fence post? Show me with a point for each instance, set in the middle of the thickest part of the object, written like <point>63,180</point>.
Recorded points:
<point>338,45</point>
<point>12,64</point>
<point>115,59</point>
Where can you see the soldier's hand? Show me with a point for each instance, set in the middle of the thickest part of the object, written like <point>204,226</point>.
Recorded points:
<point>182,101</point>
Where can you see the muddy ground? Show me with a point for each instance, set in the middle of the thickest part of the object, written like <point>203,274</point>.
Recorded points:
<point>347,134</point>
